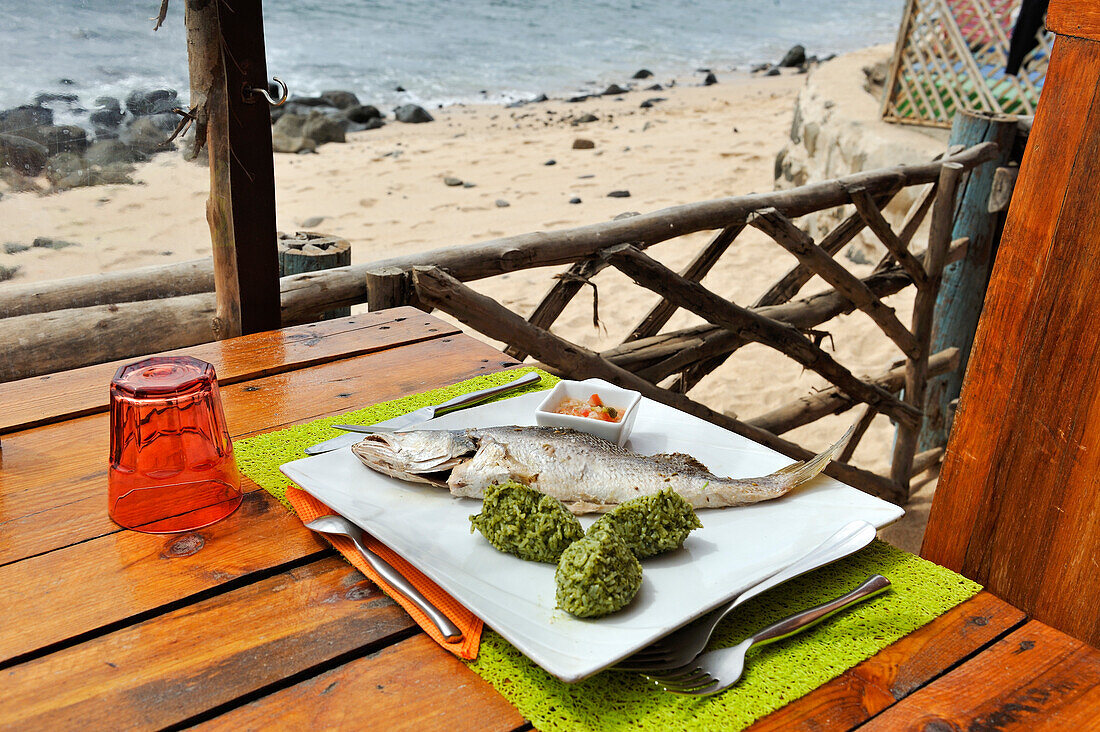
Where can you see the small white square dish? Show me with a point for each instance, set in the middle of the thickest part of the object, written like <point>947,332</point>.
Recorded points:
<point>623,401</point>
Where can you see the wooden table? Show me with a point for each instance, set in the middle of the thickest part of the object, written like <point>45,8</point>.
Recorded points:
<point>254,622</point>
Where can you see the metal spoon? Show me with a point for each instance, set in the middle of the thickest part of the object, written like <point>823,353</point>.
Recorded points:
<point>340,526</point>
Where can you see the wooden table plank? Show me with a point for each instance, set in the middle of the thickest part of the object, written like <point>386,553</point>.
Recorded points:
<point>1035,678</point>
<point>43,399</point>
<point>237,643</point>
<point>900,669</point>
<point>57,596</point>
<point>54,477</point>
<point>412,685</point>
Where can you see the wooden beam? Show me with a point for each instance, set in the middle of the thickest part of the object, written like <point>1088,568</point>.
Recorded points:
<point>797,242</point>
<point>812,407</point>
<point>1017,507</point>
<point>1074,18</point>
<point>347,286</point>
<point>916,367</point>
<point>652,323</point>
<point>692,296</point>
<point>226,59</point>
<point>251,164</point>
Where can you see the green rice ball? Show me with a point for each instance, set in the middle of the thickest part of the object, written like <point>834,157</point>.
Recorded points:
<point>651,525</point>
<point>597,575</point>
<point>519,520</point>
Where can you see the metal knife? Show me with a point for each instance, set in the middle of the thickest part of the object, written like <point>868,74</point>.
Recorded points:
<point>421,415</point>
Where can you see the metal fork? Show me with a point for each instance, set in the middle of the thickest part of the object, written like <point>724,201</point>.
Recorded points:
<point>717,671</point>
<point>680,647</point>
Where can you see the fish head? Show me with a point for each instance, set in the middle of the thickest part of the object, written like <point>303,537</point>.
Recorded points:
<point>422,456</point>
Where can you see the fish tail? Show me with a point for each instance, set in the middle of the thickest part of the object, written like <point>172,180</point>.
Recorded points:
<point>804,470</point>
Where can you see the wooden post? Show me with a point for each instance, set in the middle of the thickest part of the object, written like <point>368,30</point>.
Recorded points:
<point>226,60</point>
<point>962,291</point>
<point>308,251</point>
<point>1018,504</point>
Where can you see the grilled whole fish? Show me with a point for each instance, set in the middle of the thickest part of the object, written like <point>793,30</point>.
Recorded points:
<point>585,472</point>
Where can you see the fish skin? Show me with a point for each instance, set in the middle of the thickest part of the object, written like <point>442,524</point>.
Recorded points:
<point>586,473</point>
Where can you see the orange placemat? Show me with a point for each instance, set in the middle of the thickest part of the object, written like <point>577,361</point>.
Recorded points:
<point>308,508</point>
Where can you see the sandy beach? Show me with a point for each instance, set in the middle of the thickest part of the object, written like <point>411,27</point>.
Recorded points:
<point>384,191</point>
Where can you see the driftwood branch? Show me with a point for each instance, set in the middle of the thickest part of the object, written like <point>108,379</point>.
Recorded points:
<point>813,407</point>
<point>161,15</point>
<point>695,271</point>
<point>863,422</point>
<point>439,289</point>
<point>347,286</point>
<point>866,208</point>
<point>798,243</point>
<point>565,288</point>
<point>751,325</point>
<point>916,369</point>
<point>147,283</point>
<point>659,356</point>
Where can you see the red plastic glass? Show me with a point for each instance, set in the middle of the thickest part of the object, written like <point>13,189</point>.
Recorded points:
<point>172,466</point>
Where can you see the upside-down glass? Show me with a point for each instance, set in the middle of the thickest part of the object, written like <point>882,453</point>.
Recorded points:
<point>172,466</point>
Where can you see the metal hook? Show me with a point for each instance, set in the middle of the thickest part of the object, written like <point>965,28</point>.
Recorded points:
<point>249,91</point>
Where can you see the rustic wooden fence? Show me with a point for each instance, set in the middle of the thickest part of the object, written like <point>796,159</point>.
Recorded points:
<point>96,324</point>
<point>776,319</point>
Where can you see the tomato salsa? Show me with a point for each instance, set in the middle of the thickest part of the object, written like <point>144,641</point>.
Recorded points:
<point>593,408</point>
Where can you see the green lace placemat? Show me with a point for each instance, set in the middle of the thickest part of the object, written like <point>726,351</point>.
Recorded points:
<point>775,674</point>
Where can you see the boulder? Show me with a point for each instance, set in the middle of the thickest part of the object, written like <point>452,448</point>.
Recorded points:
<point>794,57</point>
<point>59,138</point>
<point>106,119</point>
<point>157,101</point>
<point>64,164</point>
<point>21,118</point>
<point>585,118</point>
<point>650,102</point>
<point>290,125</point>
<point>619,194</point>
<point>361,113</point>
<point>582,144</point>
<point>642,74</point>
<point>50,97</point>
<point>144,134</point>
<point>613,90</point>
<point>48,242</point>
<point>286,143</point>
<point>340,99</point>
<point>450,180</point>
<point>321,128</point>
<point>309,101</point>
<point>412,113</point>
<point>24,156</point>
<point>710,80</point>
<point>374,124</point>
<point>109,152</point>
<point>108,103</point>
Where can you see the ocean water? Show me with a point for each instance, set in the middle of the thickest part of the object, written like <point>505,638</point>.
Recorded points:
<point>440,51</point>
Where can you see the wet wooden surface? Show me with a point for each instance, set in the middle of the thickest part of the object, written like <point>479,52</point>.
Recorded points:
<point>1018,503</point>
<point>254,623</point>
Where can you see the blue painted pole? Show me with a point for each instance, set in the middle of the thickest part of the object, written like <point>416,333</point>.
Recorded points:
<point>962,291</point>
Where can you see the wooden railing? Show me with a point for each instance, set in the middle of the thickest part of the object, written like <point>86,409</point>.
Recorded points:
<point>94,328</point>
<point>775,319</point>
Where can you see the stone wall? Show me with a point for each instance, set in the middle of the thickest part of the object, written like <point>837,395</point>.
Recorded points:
<point>837,130</point>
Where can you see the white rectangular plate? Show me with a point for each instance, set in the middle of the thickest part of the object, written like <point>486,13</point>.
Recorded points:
<point>736,547</point>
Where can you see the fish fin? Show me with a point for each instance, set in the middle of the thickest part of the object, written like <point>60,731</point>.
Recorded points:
<point>804,470</point>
